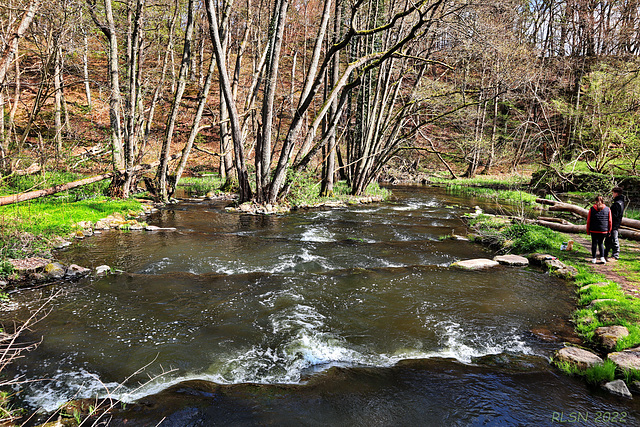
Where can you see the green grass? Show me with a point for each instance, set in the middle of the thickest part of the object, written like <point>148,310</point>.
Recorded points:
<point>508,196</point>
<point>202,185</point>
<point>621,310</point>
<point>596,374</point>
<point>521,238</point>
<point>27,228</point>
<point>485,180</point>
<point>305,190</point>
<point>21,184</point>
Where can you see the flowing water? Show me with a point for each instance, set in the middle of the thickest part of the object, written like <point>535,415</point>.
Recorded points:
<point>344,316</point>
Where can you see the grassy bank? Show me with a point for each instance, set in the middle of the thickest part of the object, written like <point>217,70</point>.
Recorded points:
<point>32,228</point>
<point>600,302</point>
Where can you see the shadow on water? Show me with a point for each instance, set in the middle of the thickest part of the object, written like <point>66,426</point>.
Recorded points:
<point>327,317</point>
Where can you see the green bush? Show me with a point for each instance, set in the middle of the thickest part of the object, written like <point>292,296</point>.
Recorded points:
<point>6,268</point>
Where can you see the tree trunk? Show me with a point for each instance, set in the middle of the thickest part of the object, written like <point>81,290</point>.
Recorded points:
<point>195,127</point>
<point>115,102</point>
<point>572,228</point>
<point>566,207</point>
<point>263,151</point>
<point>85,70</point>
<point>171,121</point>
<point>12,43</point>
<point>225,88</point>
<point>57,84</point>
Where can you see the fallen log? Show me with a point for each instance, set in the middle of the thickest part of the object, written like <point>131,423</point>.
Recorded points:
<point>567,207</point>
<point>558,220</point>
<point>21,197</point>
<point>573,228</point>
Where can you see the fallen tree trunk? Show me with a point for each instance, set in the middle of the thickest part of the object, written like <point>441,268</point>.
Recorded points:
<point>573,228</point>
<point>21,197</point>
<point>566,207</point>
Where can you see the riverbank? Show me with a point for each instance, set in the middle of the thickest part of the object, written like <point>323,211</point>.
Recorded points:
<point>607,314</point>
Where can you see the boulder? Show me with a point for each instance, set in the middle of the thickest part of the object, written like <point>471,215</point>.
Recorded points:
<point>29,265</point>
<point>54,270</point>
<point>617,387</point>
<point>102,224</point>
<point>577,356</point>
<point>512,260</point>
<point>594,285</point>
<point>75,270</point>
<point>609,335</point>
<point>539,259</point>
<point>102,270</point>
<point>627,359</point>
<point>567,272</point>
<point>475,264</point>
<point>599,301</point>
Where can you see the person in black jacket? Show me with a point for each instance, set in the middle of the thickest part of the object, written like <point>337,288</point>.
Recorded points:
<point>598,226</point>
<point>612,244</point>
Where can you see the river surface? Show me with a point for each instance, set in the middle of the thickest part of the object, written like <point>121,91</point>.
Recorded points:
<point>343,316</point>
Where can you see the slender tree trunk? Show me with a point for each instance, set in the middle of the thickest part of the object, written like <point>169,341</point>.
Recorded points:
<point>171,121</point>
<point>85,70</point>
<point>263,154</point>
<point>12,44</point>
<point>195,127</point>
<point>225,88</point>
<point>163,75</point>
<point>57,83</point>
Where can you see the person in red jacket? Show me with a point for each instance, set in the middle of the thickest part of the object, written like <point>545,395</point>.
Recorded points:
<point>598,226</point>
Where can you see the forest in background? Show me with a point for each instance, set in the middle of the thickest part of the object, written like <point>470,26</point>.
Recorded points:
<point>264,91</point>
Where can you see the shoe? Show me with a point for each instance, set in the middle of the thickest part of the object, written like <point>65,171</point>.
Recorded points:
<point>602,260</point>
<point>593,261</point>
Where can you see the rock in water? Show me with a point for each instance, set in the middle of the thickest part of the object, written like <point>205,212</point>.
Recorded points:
<point>54,270</point>
<point>577,356</point>
<point>75,270</point>
<point>102,270</point>
<point>475,264</point>
<point>617,387</point>
<point>512,260</point>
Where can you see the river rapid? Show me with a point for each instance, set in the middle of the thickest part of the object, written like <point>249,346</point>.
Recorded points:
<point>342,316</point>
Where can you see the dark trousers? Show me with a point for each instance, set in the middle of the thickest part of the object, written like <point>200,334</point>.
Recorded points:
<point>612,244</point>
<point>597,241</point>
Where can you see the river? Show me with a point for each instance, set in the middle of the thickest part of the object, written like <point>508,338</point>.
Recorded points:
<point>342,316</point>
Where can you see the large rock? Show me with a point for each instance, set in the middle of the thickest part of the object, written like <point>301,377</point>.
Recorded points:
<point>594,285</point>
<point>475,264</point>
<point>54,270</point>
<point>512,260</point>
<point>539,259</point>
<point>29,265</point>
<point>75,270</point>
<point>577,356</point>
<point>609,335</point>
<point>617,387</point>
<point>102,270</point>
<point>627,359</point>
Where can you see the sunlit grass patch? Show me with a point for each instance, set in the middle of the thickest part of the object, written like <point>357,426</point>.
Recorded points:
<point>596,374</point>
<point>202,185</point>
